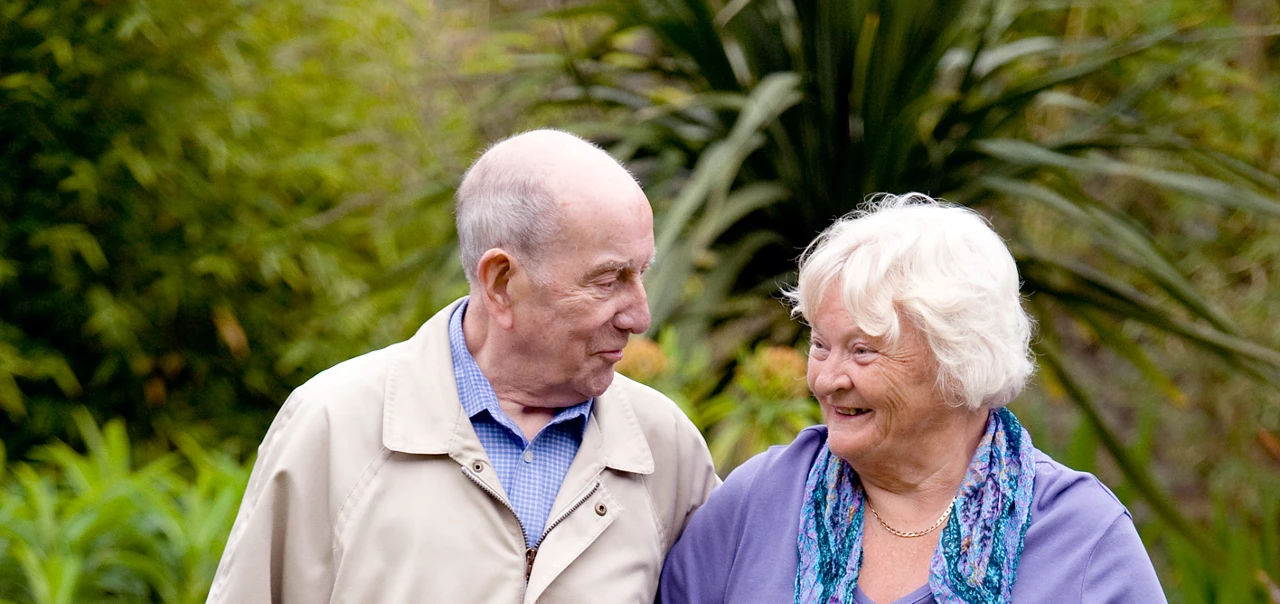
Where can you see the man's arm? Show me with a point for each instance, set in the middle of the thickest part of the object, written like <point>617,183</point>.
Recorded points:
<point>701,471</point>
<point>281,546</point>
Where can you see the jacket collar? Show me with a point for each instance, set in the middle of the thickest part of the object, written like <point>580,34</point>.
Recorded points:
<point>422,413</point>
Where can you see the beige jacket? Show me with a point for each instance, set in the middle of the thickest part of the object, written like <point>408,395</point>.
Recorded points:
<point>371,486</point>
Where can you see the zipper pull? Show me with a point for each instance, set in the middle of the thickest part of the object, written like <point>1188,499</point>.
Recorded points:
<point>529,555</point>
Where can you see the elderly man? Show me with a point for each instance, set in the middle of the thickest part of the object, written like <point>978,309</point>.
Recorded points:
<point>495,456</point>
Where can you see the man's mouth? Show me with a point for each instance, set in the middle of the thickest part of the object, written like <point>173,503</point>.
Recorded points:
<point>612,356</point>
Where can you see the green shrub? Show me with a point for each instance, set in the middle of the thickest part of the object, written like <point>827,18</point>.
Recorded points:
<point>763,401</point>
<point>204,203</point>
<point>96,526</point>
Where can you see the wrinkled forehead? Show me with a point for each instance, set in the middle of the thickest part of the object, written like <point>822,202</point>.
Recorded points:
<point>590,244</point>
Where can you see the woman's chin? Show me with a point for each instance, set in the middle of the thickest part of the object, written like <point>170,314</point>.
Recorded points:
<point>849,421</point>
<point>848,435</point>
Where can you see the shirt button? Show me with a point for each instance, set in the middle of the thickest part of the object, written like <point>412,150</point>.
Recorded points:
<point>528,456</point>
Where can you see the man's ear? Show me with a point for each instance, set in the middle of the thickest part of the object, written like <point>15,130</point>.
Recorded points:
<point>494,272</point>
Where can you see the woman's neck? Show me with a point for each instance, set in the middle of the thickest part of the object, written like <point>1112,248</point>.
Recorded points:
<point>918,487</point>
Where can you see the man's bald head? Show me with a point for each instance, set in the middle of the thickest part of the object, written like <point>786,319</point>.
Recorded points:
<point>517,194</point>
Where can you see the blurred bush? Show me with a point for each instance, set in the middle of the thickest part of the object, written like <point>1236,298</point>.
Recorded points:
<point>205,203</point>
<point>97,526</point>
<point>764,402</point>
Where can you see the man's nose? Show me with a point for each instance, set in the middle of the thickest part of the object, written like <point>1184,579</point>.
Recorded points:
<point>634,317</point>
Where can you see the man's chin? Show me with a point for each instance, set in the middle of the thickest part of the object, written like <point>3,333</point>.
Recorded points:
<point>596,385</point>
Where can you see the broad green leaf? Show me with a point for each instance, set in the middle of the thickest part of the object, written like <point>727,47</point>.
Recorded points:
<point>1195,187</point>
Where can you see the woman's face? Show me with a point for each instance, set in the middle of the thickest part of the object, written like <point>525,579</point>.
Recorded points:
<point>878,400</point>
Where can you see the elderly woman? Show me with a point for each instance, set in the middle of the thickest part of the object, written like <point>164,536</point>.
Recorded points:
<point>921,486</point>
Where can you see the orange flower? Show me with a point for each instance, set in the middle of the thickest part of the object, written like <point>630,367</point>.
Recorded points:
<point>775,372</point>
<point>643,360</point>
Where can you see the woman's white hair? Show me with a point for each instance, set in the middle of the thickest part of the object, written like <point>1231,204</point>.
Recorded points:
<point>939,266</point>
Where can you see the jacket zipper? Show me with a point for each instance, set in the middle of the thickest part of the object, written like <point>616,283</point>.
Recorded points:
<point>532,552</point>
<point>529,552</point>
<point>577,504</point>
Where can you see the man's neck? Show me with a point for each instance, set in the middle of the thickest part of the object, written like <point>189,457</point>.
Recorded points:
<point>519,405</point>
<point>530,420</point>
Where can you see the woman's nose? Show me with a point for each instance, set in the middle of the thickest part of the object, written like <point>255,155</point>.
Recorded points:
<point>826,377</point>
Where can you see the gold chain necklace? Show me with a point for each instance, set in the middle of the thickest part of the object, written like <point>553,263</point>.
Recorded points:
<point>908,534</point>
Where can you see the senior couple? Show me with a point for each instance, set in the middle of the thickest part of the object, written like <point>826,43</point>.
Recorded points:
<point>495,456</point>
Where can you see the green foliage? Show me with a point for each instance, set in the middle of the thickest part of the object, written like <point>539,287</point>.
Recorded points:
<point>206,203</point>
<point>764,402</point>
<point>94,526</point>
<point>1241,574</point>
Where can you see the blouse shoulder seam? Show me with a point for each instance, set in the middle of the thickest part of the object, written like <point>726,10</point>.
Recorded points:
<point>1093,550</point>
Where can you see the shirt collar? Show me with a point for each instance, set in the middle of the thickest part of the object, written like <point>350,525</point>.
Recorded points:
<point>421,414</point>
<point>476,393</point>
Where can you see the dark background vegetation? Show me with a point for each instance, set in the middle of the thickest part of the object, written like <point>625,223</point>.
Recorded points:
<point>204,203</point>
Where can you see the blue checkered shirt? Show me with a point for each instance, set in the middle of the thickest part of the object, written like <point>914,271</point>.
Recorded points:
<point>530,471</point>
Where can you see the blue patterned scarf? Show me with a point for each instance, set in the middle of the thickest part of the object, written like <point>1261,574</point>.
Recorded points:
<point>977,556</point>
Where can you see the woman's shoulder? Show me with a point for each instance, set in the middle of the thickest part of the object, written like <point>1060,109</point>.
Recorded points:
<point>741,544</point>
<point>779,464</point>
<point>767,481</point>
<point>1072,495</point>
<point>1082,544</point>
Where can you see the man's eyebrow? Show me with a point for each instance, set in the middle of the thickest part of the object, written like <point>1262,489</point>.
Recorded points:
<point>608,267</point>
<point>618,267</point>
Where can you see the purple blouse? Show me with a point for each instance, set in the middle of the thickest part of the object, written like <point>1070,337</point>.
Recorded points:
<point>741,545</point>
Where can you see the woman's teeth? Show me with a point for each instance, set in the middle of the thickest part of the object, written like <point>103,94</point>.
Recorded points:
<point>852,411</point>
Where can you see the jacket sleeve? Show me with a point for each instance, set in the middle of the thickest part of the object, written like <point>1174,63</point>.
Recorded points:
<point>700,472</point>
<point>1119,569</point>
<point>281,546</point>
<point>698,566</point>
